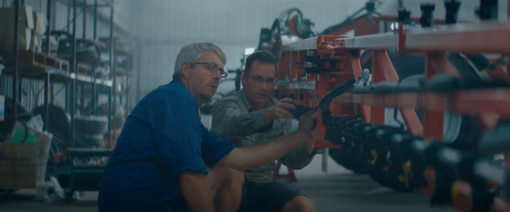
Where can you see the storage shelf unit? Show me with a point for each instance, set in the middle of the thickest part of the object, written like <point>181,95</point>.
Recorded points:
<point>76,77</point>
<point>80,81</point>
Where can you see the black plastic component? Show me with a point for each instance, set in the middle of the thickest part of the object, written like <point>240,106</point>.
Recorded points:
<point>488,10</point>
<point>350,124</point>
<point>463,164</point>
<point>496,140</point>
<point>481,63</point>
<point>300,110</point>
<point>444,179</point>
<point>404,16</point>
<point>427,14</point>
<point>337,91</point>
<point>452,11</point>
<point>389,180</point>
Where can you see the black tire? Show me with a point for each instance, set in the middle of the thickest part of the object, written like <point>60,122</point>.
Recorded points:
<point>91,124</point>
<point>89,140</point>
<point>408,66</point>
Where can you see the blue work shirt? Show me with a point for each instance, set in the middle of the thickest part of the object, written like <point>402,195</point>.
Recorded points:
<point>161,138</point>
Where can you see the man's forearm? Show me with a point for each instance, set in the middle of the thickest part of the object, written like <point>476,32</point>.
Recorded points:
<point>197,192</point>
<point>262,154</point>
<point>297,158</point>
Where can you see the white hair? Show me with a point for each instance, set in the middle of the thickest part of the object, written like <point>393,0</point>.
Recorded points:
<point>192,52</point>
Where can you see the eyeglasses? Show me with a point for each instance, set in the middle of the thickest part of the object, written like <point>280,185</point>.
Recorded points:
<point>260,80</point>
<point>213,68</point>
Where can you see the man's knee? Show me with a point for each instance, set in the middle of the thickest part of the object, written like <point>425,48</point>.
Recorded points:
<point>299,204</point>
<point>232,177</point>
<point>226,177</point>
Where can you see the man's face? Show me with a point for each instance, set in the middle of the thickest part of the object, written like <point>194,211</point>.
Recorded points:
<point>205,76</point>
<point>258,85</point>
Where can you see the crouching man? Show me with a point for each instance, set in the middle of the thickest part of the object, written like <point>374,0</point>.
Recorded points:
<point>251,117</point>
<point>166,160</point>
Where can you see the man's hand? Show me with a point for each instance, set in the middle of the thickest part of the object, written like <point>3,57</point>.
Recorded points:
<point>308,122</point>
<point>279,110</point>
<point>310,144</point>
<point>262,154</point>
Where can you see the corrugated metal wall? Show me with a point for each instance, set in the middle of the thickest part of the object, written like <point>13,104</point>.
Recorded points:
<point>233,25</point>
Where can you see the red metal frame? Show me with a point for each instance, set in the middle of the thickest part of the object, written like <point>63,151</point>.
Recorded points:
<point>487,104</point>
<point>276,175</point>
<point>383,70</point>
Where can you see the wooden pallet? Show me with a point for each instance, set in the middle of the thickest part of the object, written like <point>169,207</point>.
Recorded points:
<point>39,59</point>
<point>85,70</point>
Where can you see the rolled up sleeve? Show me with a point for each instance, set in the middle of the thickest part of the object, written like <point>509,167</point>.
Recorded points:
<point>214,147</point>
<point>228,120</point>
<point>176,137</point>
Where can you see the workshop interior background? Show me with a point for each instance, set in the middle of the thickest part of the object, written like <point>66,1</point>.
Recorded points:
<point>147,37</point>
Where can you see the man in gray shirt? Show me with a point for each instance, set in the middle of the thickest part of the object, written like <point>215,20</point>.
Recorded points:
<point>251,116</point>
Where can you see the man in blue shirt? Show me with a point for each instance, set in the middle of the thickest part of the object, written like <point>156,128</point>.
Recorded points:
<point>166,160</point>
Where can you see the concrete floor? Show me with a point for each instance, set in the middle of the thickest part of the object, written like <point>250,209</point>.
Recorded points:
<point>337,190</point>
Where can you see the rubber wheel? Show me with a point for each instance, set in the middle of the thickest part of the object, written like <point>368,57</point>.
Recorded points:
<point>458,128</point>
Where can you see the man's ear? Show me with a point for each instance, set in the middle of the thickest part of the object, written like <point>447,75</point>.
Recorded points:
<point>185,69</point>
<point>243,79</point>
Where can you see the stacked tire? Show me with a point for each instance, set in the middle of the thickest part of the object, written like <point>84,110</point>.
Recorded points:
<point>90,131</point>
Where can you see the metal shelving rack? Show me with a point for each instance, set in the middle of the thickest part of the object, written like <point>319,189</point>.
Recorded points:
<point>19,68</point>
<point>50,75</point>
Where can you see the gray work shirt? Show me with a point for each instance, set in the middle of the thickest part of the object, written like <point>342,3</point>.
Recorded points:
<point>234,118</point>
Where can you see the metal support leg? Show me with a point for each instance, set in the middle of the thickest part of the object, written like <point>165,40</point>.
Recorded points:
<point>16,61</point>
<point>46,102</point>
<point>110,93</point>
<point>75,66</point>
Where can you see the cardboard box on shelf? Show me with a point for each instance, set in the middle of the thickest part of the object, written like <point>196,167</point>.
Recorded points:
<point>25,27</point>
<point>23,165</point>
<point>40,23</point>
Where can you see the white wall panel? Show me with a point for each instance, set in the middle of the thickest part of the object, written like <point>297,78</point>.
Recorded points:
<point>234,21</point>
